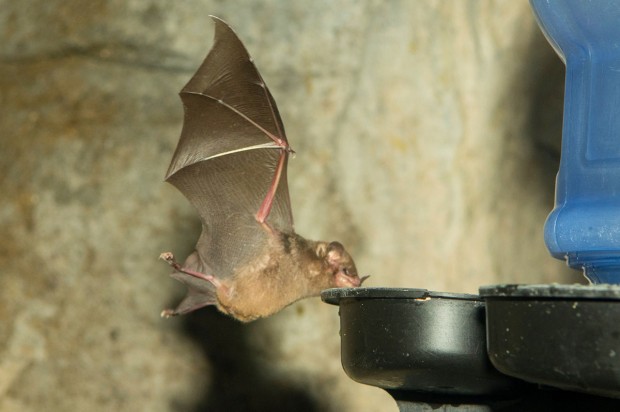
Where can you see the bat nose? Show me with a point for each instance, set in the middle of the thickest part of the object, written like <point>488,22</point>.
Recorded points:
<point>347,281</point>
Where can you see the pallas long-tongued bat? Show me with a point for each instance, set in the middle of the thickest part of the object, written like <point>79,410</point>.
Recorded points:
<point>231,163</point>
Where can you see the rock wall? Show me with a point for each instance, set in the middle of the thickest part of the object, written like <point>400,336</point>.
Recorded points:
<point>427,139</point>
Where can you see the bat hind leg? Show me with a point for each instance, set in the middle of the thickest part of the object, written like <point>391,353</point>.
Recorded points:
<point>169,258</point>
<point>202,289</point>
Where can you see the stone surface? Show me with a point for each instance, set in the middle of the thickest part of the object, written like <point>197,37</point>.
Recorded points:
<point>426,133</point>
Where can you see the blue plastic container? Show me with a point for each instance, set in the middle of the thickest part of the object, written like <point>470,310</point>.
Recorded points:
<point>584,227</point>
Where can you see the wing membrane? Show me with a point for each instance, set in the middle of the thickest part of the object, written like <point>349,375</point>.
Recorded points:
<point>225,161</point>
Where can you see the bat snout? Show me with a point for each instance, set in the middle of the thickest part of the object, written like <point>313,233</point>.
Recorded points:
<point>346,280</point>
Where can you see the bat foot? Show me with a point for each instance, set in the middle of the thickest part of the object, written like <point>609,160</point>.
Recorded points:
<point>168,257</point>
<point>167,313</point>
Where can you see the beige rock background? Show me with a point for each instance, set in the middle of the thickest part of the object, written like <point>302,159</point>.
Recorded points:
<point>427,136</point>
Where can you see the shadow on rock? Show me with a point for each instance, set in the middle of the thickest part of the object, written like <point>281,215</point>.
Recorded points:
<point>239,383</point>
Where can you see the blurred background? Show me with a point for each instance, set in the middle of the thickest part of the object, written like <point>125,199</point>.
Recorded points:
<point>427,136</point>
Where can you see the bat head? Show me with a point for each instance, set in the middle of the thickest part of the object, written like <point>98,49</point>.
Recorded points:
<point>342,265</point>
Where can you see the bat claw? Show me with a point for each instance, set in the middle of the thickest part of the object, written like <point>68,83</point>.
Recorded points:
<point>168,257</point>
<point>362,279</point>
<point>167,313</point>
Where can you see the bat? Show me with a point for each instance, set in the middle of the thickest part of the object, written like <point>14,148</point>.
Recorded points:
<point>230,163</point>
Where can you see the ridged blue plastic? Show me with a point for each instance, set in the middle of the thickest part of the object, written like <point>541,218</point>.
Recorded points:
<point>584,227</point>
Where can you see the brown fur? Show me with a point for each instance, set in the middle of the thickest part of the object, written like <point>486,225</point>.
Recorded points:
<point>279,277</point>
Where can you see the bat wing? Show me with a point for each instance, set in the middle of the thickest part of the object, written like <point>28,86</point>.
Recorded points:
<point>232,156</point>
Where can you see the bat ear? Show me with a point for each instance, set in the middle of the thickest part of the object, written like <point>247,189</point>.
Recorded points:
<point>335,253</point>
<point>321,249</point>
<point>338,258</point>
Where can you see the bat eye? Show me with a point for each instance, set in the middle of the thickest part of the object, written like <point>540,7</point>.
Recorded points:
<point>346,271</point>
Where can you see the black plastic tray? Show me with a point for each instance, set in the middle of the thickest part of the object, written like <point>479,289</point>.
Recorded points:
<point>567,336</point>
<point>416,340</point>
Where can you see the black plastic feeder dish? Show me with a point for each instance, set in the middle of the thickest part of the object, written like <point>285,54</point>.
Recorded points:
<point>428,350</point>
<point>422,347</point>
<point>566,336</point>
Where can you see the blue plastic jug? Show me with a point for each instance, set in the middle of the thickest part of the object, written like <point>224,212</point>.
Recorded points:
<point>584,227</point>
